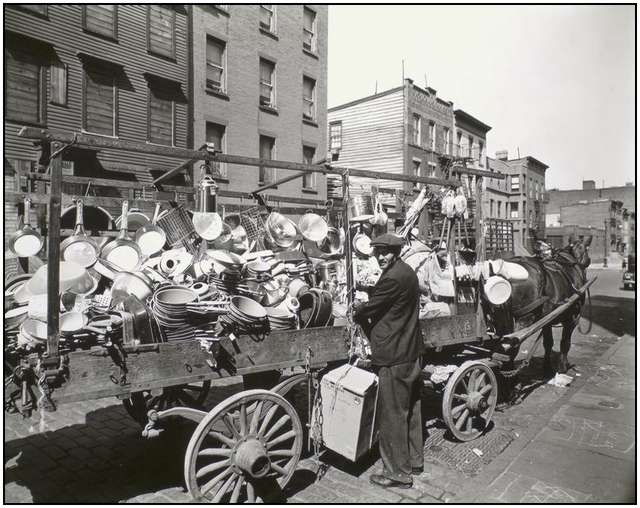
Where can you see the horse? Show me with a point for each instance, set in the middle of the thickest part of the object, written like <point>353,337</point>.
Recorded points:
<point>551,280</point>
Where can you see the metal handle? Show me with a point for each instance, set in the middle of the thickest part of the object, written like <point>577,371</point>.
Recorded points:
<point>124,221</point>
<point>155,214</point>
<point>79,212</point>
<point>27,210</point>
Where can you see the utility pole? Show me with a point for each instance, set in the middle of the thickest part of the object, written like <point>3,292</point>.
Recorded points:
<point>606,241</point>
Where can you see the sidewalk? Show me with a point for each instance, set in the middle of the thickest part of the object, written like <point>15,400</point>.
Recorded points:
<point>586,451</point>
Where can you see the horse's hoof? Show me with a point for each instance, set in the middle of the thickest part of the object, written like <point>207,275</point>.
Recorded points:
<point>563,366</point>
<point>547,371</point>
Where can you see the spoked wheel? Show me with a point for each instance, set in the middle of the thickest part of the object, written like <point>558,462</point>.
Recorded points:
<point>190,395</point>
<point>470,398</point>
<point>247,446</point>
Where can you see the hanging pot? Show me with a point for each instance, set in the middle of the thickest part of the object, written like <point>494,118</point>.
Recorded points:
<point>27,241</point>
<point>135,219</point>
<point>151,238</point>
<point>122,252</point>
<point>313,227</point>
<point>80,248</point>
<point>360,208</point>
<point>206,196</point>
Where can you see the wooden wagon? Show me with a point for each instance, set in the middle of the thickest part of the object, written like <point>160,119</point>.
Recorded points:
<point>252,440</point>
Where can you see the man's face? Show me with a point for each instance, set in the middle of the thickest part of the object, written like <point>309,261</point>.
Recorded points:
<point>385,256</point>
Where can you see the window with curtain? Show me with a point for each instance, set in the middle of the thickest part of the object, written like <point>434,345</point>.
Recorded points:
<point>267,151</point>
<point>309,179</point>
<point>309,29</point>
<point>215,134</point>
<point>514,210</point>
<point>215,64</point>
<point>268,17</point>
<point>162,115</point>
<point>308,98</point>
<point>23,86</point>
<point>100,100</point>
<point>161,30</point>
<point>267,83</point>
<point>100,19</point>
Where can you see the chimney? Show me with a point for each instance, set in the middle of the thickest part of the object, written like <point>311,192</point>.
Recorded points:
<point>588,184</point>
<point>502,155</point>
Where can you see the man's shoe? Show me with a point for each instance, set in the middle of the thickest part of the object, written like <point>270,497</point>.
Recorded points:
<point>417,470</point>
<point>383,481</point>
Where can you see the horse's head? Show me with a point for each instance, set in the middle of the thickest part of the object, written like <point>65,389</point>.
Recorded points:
<point>580,251</point>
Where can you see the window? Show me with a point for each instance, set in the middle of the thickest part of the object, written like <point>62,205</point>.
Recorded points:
<point>161,30</point>
<point>215,64</point>
<point>35,8</point>
<point>415,134</point>
<point>470,147</point>
<point>335,136</point>
<point>491,208</point>
<point>100,100</point>
<point>432,170</point>
<point>309,179</point>
<point>459,144</point>
<point>499,214</point>
<point>267,83</point>
<point>216,134</point>
<point>24,90</point>
<point>267,151</point>
<point>161,116</point>
<point>58,83</point>
<point>447,141</point>
<point>100,19</point>
<point>309,29</point>
<point>268,17</point>
<point>480,150</point>
<point>514,210</point>
<point>432,136</point>
<point>308,98</point>
<point>515,184</point>
<point>416,170</point>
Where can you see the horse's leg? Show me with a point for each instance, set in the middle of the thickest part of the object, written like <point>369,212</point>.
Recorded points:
<point>547,342</point>
<point>567,330</point>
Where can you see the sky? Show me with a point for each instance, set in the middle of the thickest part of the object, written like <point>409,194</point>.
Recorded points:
<point>554,82</point>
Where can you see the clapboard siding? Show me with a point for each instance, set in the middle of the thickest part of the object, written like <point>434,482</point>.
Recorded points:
<point>372,139</point>
<point>64,31</point>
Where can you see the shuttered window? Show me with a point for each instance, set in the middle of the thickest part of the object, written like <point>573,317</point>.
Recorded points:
<point>100,100</point>
<point>161,119</point>
<point>161,30</point>
<point>58,83</point>
<point>101,19</point>
<point>23,86</point>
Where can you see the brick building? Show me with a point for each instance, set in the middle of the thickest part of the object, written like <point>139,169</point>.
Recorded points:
<point>260,89</point>
<point>119,71</point>
<point>522,194</point>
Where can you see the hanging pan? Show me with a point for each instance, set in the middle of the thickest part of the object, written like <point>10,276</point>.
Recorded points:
<point>80,248</point>
<point>122,252</point>
<point>27,241</point>
<point>150,237</point>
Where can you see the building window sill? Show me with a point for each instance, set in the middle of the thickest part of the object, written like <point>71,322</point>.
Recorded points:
<point>268,109</point>
<point>309,122</point>
<point>105,37</point>
<point>416,146</point>
<point>41,124</point>
<point>268,33</point>
<point>217,93</point>
<point>312,54</point>
<point>168,58</point>
<point>306,190</point>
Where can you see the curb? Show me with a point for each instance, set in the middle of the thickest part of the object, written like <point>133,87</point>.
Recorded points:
<point>471,493</point>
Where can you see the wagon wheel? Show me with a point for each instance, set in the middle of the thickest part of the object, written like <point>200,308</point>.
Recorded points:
<point>242,448</point>
<point>189,395</point>
<point>469,400</point>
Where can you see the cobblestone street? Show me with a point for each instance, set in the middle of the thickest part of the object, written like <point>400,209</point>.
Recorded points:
<point>93,451</point>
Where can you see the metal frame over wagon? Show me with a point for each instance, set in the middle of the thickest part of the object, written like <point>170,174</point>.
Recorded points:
<point>253,438</point>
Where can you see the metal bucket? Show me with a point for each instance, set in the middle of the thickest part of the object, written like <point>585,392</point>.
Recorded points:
<point>360,207</point>
<point>207,195</point>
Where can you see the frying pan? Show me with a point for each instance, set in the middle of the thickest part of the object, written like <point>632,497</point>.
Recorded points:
<point>80,247</point>
<point>27,241</point>
<point>123,252</point>
<point>150,237</point>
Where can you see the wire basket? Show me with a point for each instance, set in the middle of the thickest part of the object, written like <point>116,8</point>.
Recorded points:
<point>179,230</point>
<point>252,222</point>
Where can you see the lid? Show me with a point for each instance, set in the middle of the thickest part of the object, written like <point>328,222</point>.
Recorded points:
<point>351,378</point>
<point>497,289</point>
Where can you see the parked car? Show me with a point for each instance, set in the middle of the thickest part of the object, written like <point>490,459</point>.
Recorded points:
<point>629,275</point>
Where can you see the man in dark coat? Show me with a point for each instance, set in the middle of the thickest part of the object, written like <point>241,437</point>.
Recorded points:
<point>391,320</point>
